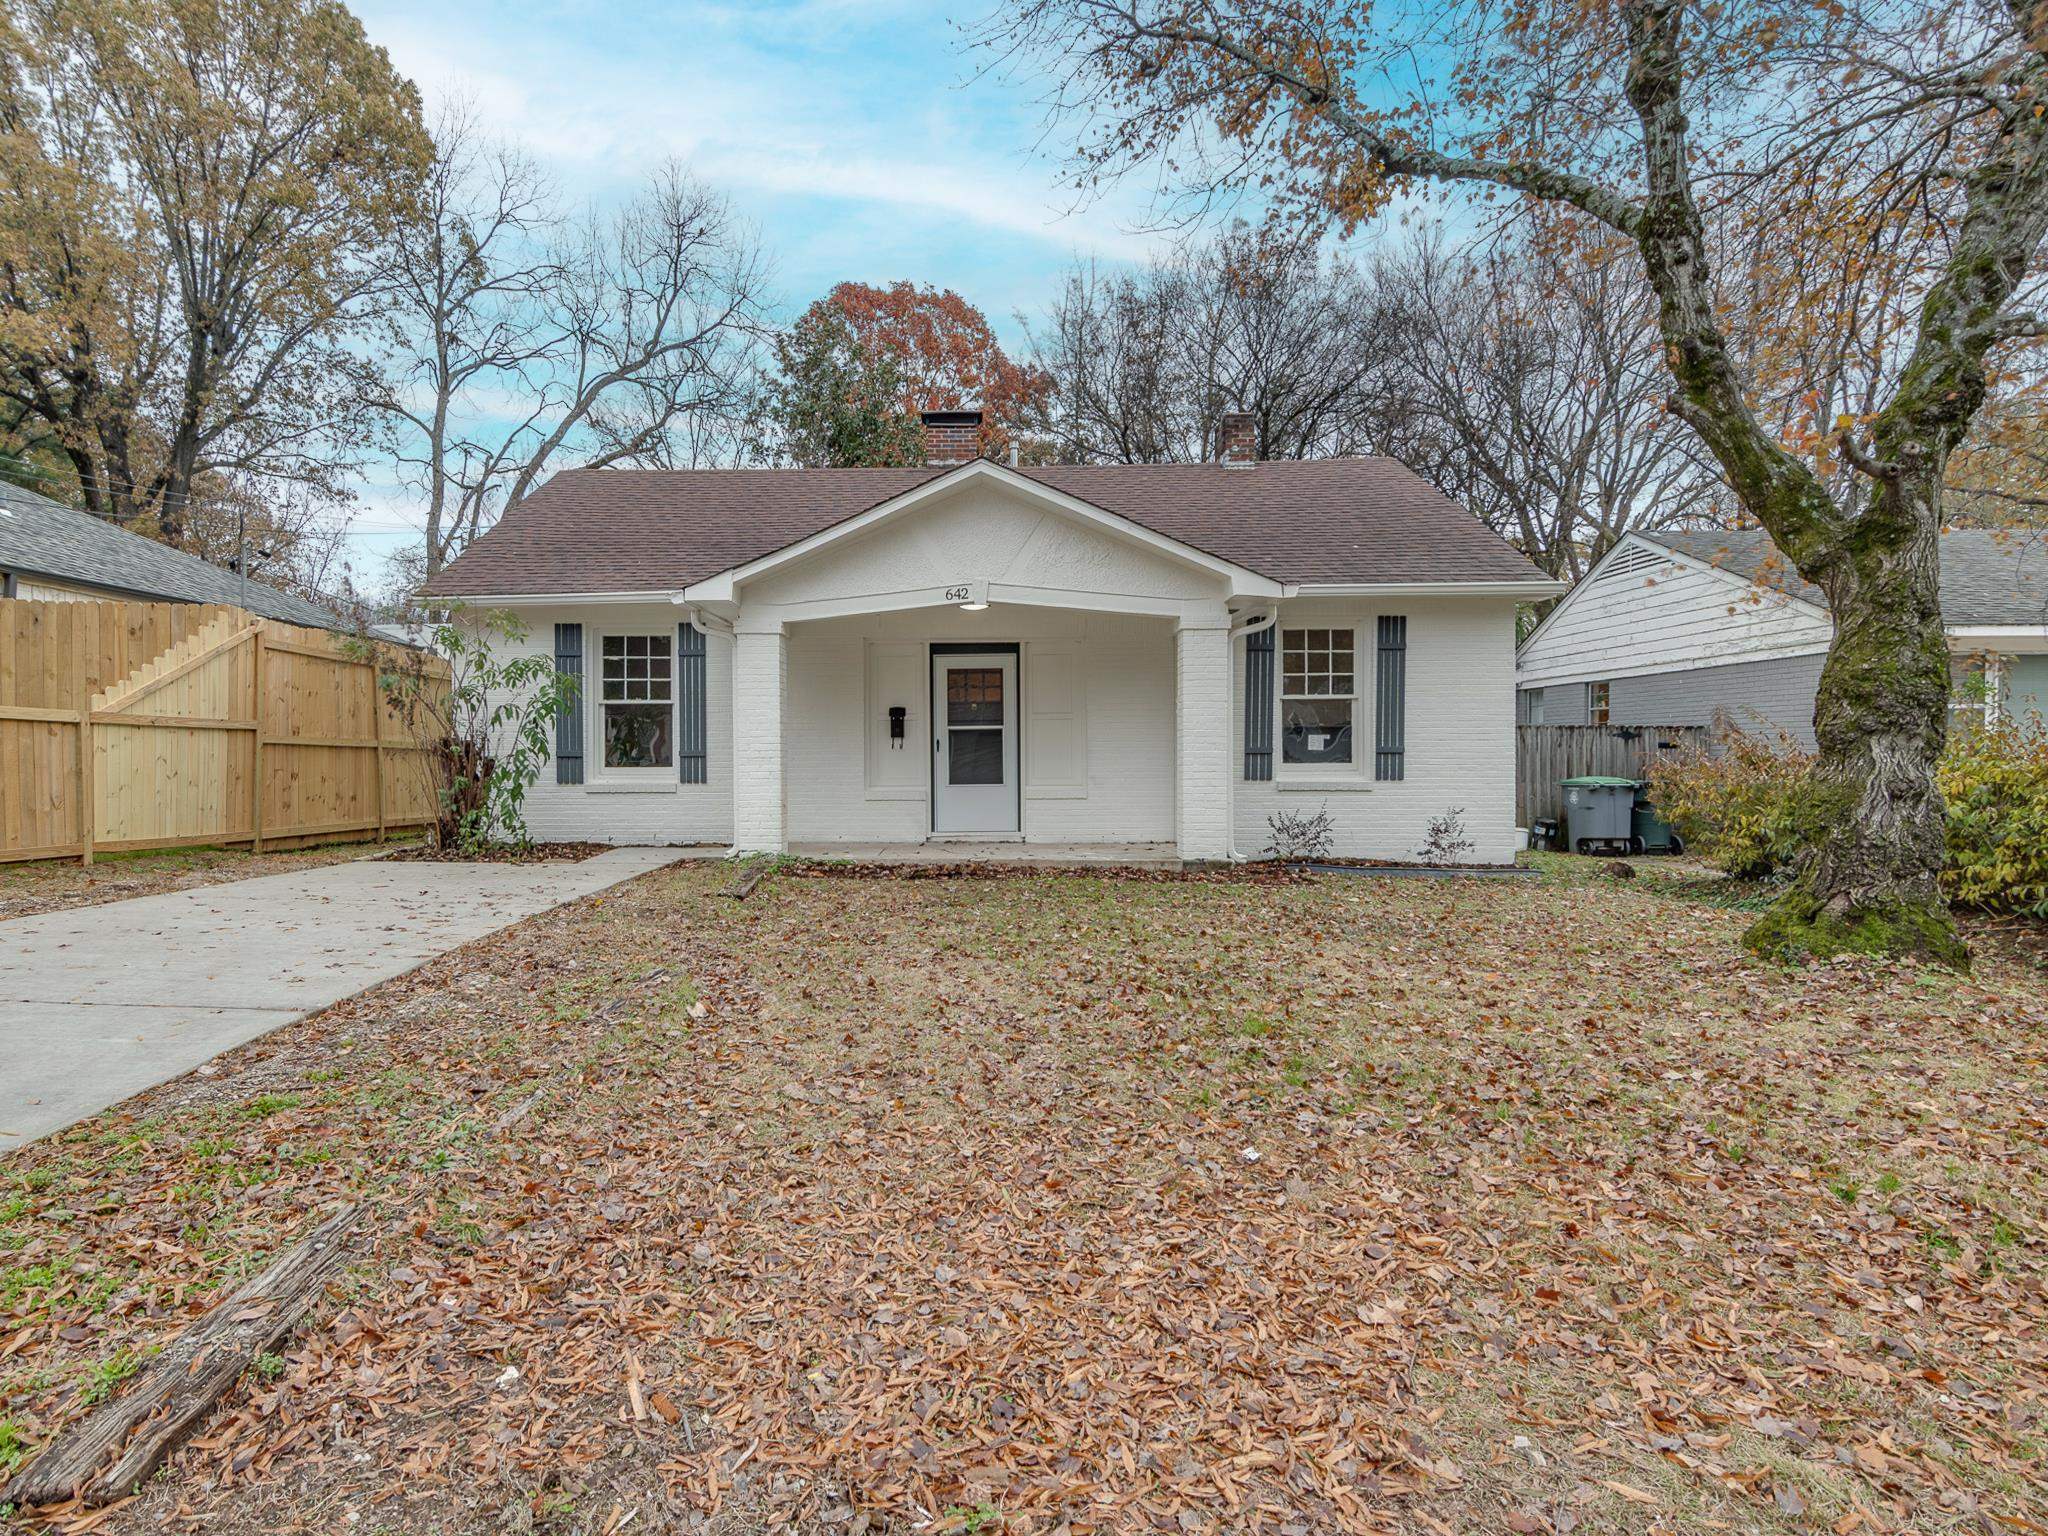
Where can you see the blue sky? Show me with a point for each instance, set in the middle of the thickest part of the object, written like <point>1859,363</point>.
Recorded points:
<point>855,136</point>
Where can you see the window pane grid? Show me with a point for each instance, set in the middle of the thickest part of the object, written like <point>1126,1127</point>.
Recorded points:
<point>636,669</point>
<point>1317,664</point>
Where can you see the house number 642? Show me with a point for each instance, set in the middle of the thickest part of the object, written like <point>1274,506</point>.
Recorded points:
<point>958,594</point>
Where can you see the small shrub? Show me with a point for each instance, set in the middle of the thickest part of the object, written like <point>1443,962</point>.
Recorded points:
<point>1299,836</point>
<point>1444,840</point>
<point>1739,806</point>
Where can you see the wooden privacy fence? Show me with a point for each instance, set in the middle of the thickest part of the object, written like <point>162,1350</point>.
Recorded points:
<point>163,725</point>
<point>1544,754</point>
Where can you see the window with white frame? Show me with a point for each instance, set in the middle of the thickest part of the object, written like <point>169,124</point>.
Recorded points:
<point>1596,703</point>
<point>636,701</point>
<point>1318,696</point>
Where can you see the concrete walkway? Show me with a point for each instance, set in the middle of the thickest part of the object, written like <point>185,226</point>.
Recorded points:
<point>98,1003</point>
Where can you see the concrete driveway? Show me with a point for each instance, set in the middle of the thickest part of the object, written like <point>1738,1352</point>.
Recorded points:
<point>98,1003</point>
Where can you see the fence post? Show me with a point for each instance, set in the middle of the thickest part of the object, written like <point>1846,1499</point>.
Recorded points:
<point>86,794</point>
<point>256,785</point>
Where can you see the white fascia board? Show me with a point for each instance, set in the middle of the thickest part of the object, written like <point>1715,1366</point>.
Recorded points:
<point>2024,639</point>
<point>1528,591</point>
<point>722,587</point>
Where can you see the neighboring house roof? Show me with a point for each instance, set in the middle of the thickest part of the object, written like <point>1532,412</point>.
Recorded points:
<point>1364,521</point>
<point>1988,576</point>
<point>40,537</point>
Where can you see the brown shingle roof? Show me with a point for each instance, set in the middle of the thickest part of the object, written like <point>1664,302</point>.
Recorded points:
<point>1325,520</point>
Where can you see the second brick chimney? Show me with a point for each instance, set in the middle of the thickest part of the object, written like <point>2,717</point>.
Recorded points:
<point>952,437</point>
<point>1239,438</point>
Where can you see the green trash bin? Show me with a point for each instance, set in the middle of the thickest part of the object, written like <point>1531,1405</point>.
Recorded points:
<point>1649,831</point>
<point>1599,813</point>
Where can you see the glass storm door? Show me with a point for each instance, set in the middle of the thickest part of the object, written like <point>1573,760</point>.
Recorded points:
<point>974,743</point>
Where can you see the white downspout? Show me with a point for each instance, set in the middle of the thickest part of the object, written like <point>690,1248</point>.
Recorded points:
<point>710,623</point>
<point>1249,627</point>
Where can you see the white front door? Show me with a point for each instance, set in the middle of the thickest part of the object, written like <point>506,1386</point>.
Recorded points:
<point>974,742</point>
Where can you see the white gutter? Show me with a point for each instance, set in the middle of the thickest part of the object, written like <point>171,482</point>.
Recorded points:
<point>1249,627</point>
<point>709,622</point>
<point>1532,591</point>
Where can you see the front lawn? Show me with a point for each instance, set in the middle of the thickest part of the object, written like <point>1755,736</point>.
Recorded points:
<point>1042,1202</point>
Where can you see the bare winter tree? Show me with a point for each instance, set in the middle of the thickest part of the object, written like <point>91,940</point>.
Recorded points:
<point>1648,117</point>
<point>525,339</point>
<point>1529,385</point>
<point>1145,363</point>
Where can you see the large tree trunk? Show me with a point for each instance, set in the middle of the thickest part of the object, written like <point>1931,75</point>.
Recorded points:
<point>1874,821</point>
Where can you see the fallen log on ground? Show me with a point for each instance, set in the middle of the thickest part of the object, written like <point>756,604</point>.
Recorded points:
<point>177,1389</point>
<point>743,887</point>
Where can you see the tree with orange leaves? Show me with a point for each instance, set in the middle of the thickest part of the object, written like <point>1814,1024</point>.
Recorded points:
<point>1923,125</point>
<point>948,357</point>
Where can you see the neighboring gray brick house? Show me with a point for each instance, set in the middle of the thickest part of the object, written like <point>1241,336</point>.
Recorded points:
<point>1716,627</point>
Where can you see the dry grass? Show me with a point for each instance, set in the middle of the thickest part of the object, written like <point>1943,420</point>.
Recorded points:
<point>54,885</point>
<point>1032,1203</point>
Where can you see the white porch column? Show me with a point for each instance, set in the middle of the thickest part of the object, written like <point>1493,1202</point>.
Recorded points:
<point>1202,735</point>
<point>760,679</point>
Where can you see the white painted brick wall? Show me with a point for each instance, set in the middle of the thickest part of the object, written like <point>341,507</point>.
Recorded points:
<point>1460,734</point>
<point>1460,741</point>
<point>602,810</point>
<point>1129,668</point>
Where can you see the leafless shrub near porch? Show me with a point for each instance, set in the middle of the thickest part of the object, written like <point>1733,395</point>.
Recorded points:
<point>1300,836</point>
<point>1444,840</point>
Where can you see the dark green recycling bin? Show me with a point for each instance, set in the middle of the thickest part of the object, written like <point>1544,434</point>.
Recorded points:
<point>1599,813</point>
<point>1650,832</point>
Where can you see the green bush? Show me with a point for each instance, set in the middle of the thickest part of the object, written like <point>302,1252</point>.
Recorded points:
<point>1740,809</point>
<point>1736,807</point>
<point>1994,781</point>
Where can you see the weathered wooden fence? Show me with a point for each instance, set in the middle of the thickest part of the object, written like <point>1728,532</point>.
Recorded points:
<point>1544,754</point>
<point>161,725</point>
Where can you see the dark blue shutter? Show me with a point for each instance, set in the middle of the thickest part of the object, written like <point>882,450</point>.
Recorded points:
<point>1258,705</point>
<point>1390,699</point>
<point>694,732</point>
<point>569,718</point>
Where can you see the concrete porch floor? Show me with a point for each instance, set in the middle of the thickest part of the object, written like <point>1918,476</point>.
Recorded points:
<point>1139,855</point>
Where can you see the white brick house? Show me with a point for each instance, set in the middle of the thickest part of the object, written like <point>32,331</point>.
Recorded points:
<point>1145,654</point>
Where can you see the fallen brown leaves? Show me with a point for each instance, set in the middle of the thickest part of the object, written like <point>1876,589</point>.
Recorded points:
<point>1087,1204</point>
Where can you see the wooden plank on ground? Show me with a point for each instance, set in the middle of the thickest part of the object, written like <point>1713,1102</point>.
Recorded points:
<point>107,1455</point>
<point>743,887</point>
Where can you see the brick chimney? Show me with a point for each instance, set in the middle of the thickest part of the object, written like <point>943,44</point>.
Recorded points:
<point>952,437</point>
<point>1239,438</point>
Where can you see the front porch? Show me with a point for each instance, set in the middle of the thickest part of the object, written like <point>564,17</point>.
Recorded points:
<point>984,656</point>
<point>1053,855</point>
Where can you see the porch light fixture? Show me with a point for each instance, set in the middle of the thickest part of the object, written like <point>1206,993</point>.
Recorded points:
<point>972,596</point>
